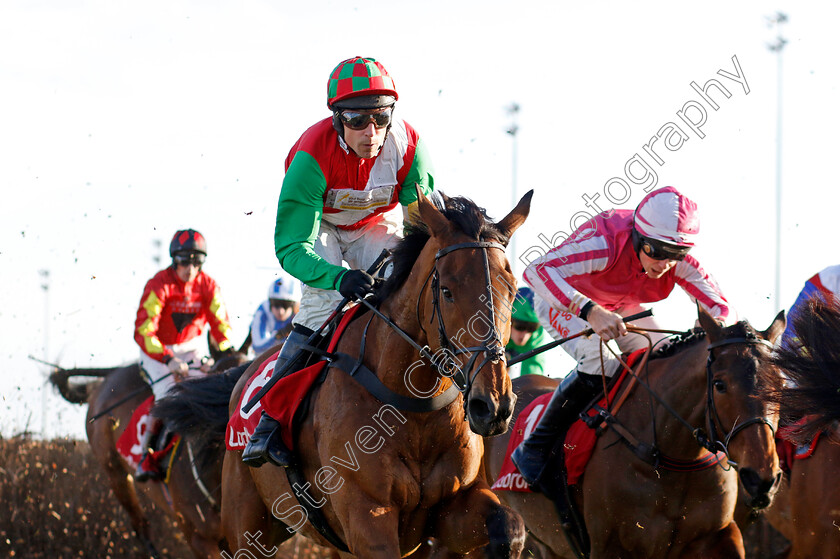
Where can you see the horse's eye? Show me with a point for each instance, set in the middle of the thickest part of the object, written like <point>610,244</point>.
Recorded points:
<point>446,293</point>
<point>720,386</point>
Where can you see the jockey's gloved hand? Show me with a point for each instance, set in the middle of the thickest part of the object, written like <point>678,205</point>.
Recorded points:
<point>355,283</point>
<point>177,367</point>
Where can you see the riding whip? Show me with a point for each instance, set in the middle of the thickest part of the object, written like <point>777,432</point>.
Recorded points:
<point>556,343</point>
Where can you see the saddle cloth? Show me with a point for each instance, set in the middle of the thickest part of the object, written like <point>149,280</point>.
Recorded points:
<point>128,445</point>
<point>284,398</point>
<point>577,446</point>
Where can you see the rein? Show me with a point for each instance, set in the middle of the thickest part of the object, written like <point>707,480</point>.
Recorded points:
<point>494,352</point>
<point>712,442</point>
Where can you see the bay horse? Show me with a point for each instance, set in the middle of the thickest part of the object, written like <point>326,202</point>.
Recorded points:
<point>191,497</point>
<point>417,475</point>
<point>812,366</point>
<point>806,509</point>
<point>633,509</point>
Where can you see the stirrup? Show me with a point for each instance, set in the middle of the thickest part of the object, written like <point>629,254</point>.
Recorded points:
<point>266,445</point>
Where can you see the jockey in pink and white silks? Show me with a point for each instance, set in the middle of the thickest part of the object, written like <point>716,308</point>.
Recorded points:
<point>607,270</point>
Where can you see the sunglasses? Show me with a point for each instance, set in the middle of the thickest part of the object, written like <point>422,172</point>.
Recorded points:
<point>662,251</point>
<point>354,120</point>
<point>281,304</point>
<point>195,258</point>
<point>524,326</point>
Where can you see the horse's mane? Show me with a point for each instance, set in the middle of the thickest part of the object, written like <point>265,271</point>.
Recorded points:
<point>680,342</point>
<point>742,329</point>
<point>811,361</point>
<point>471,219</point>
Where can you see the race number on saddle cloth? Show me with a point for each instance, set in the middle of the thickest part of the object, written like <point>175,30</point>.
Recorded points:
<point>283,400</point>
<point>578,444</point>
<point>129,445</point>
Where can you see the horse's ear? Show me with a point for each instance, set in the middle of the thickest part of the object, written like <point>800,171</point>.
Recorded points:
<point>775,330</point>
<point>517,215</point>
<point>709,324</point>
<point>436,222</point>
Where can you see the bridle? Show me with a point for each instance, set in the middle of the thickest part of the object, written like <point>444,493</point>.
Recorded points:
<point>493,351</point>
<point>712,441</point>
<point>446,365</point>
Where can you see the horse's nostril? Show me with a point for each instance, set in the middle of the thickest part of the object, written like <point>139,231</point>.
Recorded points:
<point>480,409</point>
<point>750,480</point>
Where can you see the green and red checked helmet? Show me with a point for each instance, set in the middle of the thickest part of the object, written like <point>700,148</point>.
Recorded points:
<point>360,83</point>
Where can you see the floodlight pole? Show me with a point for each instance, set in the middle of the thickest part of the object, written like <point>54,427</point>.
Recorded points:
<point>45,285</point>
<point>776,20</point>
<point>512,130</point>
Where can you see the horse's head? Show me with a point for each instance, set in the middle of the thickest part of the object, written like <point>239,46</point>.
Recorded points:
<point>466,303</point>
<point>738,421</point>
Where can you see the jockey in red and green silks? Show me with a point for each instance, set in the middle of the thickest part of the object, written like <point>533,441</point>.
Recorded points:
<point>345,178</point>
<point>338,204</point>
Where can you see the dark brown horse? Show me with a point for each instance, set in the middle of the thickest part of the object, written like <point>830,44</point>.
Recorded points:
<point>632,509</point>
<point>806,509</point>
<point>807,512</point>
<point>191,497</point>
<point>386,476</point>
<point>812,365</point>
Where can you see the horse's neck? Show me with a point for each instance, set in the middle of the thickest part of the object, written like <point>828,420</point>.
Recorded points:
<point>680,381</point>
<point>396,362</point>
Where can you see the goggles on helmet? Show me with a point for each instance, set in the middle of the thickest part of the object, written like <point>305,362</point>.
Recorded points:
<point>281,304</point>
<point>524,326</point>
<point>187,258</point>
<point>359,120</point>
<point>659,250</point>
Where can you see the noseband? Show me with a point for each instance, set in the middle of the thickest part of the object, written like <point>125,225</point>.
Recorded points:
<point>713,441</point>
<point>493,351</point>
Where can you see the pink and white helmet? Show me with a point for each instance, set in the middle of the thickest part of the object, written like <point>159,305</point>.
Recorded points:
<point>668,216</point>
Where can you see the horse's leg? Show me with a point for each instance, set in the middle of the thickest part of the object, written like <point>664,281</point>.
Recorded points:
<point>726,544</point>
<point>122,485</point>
<point>475,516</point>
<point>201,546</point>
<point>246,521</point>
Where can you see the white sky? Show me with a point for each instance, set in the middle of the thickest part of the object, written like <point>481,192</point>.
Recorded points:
<point>122,122</point>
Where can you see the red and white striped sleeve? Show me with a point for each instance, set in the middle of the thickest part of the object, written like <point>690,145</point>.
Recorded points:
<point>552,275</point>
<point>702,288</point>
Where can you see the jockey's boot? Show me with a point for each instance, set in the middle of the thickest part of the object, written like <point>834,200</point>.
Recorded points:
<point>147,469</point>
<point>532,455</point>
<point>265,444</point>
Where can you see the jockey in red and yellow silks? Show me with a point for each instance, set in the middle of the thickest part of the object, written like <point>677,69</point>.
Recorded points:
<point>176,305</point>
<point>172,313</point>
